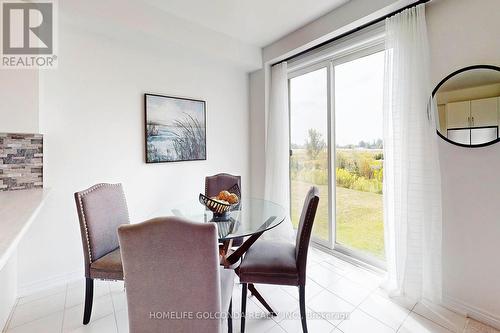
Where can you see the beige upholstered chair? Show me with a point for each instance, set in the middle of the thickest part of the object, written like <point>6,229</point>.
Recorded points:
<point>172,268</point>
<point>101,209</point>
<point>278,263</point>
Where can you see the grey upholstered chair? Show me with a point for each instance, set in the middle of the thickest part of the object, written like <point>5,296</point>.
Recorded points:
<point>171,266</point>
<point>101,210</point>
<point>221,182</point>
<point>281,263</point>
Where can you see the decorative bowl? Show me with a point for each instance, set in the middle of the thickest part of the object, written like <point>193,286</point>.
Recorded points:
<point>221,210</point>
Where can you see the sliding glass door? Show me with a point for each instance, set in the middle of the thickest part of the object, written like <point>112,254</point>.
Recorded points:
<point>359,156</point>
<point>336,144</point>
<point>309,146</point>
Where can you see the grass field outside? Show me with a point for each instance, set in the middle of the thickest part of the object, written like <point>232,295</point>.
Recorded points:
<point>359,199</point>
<point>359,217</point>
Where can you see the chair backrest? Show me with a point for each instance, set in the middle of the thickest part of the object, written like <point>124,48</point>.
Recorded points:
<point>304,230</point>
<point>220,182</point>
<point>101,208</point>
<point>171,267</point>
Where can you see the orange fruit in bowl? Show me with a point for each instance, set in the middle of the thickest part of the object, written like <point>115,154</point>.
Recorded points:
<point>233,198</point>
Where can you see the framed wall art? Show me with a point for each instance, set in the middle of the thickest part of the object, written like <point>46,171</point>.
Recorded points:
<point>175,129</point>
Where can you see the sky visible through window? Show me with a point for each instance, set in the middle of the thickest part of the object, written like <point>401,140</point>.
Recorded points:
<point>358,102</point>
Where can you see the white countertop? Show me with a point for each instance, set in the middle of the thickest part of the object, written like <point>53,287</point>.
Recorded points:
<point>18,209</point>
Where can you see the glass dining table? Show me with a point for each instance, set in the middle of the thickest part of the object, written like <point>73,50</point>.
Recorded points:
<point>252,218</point>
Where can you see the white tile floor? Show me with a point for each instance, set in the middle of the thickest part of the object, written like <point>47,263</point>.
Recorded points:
<point>333,286</point>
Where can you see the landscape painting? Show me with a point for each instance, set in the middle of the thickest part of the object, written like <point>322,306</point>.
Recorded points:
<point>175,129</point>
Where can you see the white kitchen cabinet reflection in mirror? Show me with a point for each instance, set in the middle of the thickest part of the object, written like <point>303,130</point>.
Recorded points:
<point>469,106</point>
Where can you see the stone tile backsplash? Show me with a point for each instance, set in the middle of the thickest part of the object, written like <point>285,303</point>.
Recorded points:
<point>21,161</point>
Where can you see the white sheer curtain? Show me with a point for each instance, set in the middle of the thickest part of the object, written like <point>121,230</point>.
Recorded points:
<point>277,182</point>
<point>412,185</point>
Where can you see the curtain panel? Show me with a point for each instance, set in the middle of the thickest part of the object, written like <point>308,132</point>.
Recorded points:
<point>412,184</point>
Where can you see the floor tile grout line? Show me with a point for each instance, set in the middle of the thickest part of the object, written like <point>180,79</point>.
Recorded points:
<point>371,293</point>
<point>412,311</point>
<point>307,307</point>
<point>343,275</point>
<point>399,327</point>
<point>42,297</point>
<point>9,318</point>
<point>277,324</point>
<point>403,322</point>
<point>330,291</point>
<point>329,266</point>
<point>36,318</point>
<point>356,307</point>
<point>446,328</point>
<point>64,309</point>
<point>50,314</point>
<point>333,326</point>
<point>95,298</point>
<point>467,319</point>
<point>406,318</point>
<point>385,324</point>
<point>38,299</point>
<point>113,305</point>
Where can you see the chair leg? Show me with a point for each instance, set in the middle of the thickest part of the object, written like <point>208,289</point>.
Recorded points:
<point>89,296</point>
<point>261,299</point>
<point>230,317</point>
<point>302,302</point>
<point>243,306</point>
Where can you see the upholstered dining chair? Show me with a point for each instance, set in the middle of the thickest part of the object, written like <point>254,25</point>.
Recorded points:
<point>281,263</point>
<point>221,182</point>
<point>171,266</point>
<point>101,210</point>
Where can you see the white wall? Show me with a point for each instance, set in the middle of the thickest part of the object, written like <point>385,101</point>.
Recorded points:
<point>258,132</point>
<point>18,101</point>
<point>464,33</point>
<point>91,112</point>
<point>461,33</point>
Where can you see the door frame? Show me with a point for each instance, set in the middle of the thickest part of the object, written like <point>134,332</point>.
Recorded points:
<point>373,42</point>
<point>293,74</point>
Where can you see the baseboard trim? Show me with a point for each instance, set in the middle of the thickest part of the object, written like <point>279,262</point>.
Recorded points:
<point>51,282</point>
<point>471,311</point>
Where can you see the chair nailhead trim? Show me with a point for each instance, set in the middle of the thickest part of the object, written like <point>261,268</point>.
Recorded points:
<point>80,198</point>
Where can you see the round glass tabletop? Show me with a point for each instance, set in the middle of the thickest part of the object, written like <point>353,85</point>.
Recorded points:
<point>252,216</point>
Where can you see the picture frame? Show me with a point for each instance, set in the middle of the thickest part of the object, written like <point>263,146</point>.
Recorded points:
<point>175,129</point>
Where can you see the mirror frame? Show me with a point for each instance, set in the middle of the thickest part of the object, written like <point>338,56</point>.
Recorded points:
<point>468,68</point>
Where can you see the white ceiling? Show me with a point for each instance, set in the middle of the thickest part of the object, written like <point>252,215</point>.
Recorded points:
<point>256,22</point>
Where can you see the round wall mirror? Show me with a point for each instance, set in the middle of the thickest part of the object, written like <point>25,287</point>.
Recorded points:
<point>468,106</point>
